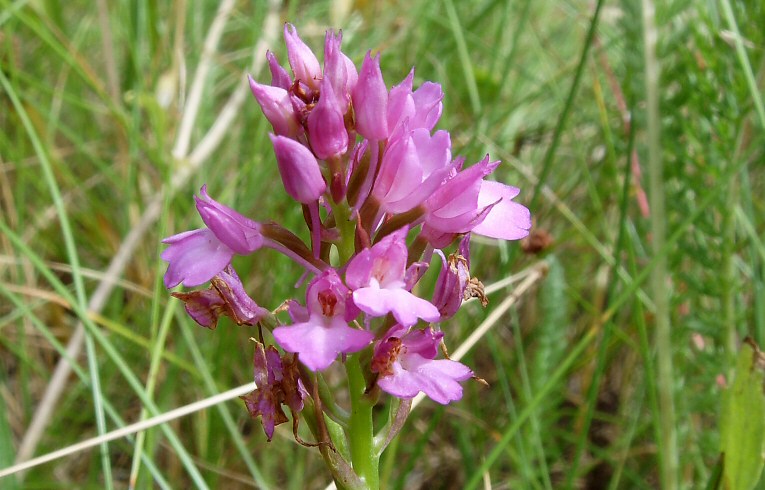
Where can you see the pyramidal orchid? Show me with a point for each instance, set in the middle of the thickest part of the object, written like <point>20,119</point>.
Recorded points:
<point>383,198</point>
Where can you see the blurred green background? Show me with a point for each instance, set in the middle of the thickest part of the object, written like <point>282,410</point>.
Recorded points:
<point>114,113</point>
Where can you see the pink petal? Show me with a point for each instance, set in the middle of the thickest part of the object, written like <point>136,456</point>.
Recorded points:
<point>194,257</point>
<point>507,220</point>
<point>318,343</point>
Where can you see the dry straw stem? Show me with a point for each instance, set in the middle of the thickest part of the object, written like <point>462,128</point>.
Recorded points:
<point>132,428</point>
<point>534,274</point>
<point>189,166</point>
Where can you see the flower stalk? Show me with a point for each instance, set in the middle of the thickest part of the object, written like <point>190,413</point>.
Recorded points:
<point>366,460</point>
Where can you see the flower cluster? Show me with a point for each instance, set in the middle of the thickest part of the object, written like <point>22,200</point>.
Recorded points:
<point>381,193</point>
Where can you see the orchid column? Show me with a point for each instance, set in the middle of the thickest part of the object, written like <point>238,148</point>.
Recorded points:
<point>381,193</point>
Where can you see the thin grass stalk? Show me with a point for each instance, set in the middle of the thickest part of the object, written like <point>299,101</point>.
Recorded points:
<point>71,249</point>
<point>668,455</point>
<point>228,420</point>
<point>158,344</point>
<point>183,139</point>
<point>534,403</point>
<point>108,348</point>
<point>607,326</point>
<point>130,243</point>
<point>82,375</point>
<point>464,56</point>
<point>158,420</point>
<point>744,61</point>
<point>552,149</point>
<point>536,442</point>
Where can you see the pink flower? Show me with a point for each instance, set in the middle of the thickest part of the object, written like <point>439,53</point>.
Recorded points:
<point>240,234</point>
<point>466,202</point>
<point>377,275</point>
<point>278,383</point>
<point>225,297</point>
<point>196,256</point>
<point>406,365</point>
<point>421,108</point>
<point>414,165</point>
<point>299,170</point>
<point>428,105</point>
<point>325,333</point>
<point>370,100</point>
<point>453,207</point>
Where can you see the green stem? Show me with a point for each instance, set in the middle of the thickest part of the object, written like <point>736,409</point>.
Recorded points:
<point>346,247</point>
<point>668,453</point>
<point>365,459</point>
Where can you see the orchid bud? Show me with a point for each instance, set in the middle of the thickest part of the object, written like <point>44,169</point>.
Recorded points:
<point>277,107</point>
<point>326,128</point>
<point>304,64</point>
<point>339,70</point>
<point>299,170</point>
<point>370,100</point>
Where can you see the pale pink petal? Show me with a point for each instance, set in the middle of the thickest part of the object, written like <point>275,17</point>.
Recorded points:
<point>319,344</point>
<point>194,257</point>
<point>507,220</point>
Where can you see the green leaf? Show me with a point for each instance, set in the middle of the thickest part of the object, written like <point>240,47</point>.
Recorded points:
<point>743,421</point>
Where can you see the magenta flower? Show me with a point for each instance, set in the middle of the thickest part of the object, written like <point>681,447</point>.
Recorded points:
<point>466,201</point>
<point>406,364</point>
<point>319,339</point>
<point>299,170</point>
<point>278,383</point>
<point>421,108</point>
<point>370,100</point>
<point>196,256</point>
<point>225,297</point>
<point>277,107</point>
<point>377,275</point>
<point>414,165</point>
<point>400,102</point>
<point>428,105</point>
<point>305,66</point>
<point>453,207</point>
